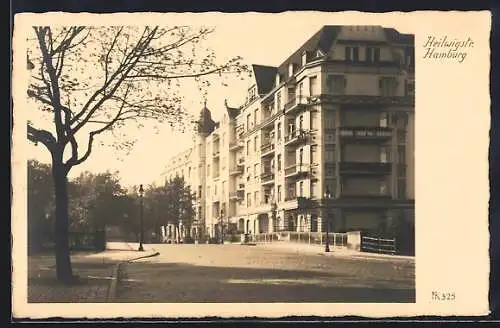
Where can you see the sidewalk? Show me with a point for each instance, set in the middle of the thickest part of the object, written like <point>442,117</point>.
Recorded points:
<point>94,269</point>
<point>334,251</point>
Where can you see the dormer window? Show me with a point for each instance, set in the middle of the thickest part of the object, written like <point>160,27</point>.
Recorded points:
<point>304,58</point>
<point>278,79</point>
<point>290,69</point>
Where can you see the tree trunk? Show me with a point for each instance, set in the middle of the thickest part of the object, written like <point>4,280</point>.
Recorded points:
<point>61,226</point>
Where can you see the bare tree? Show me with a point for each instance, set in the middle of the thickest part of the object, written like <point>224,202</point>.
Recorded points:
<point>90,80</point>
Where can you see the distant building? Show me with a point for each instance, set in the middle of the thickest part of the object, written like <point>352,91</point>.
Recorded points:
<point>338,116</point>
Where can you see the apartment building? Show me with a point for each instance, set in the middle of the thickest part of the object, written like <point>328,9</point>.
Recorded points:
<point>326,138</point>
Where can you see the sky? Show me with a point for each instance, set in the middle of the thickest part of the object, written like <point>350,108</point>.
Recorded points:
<point>259,39</point>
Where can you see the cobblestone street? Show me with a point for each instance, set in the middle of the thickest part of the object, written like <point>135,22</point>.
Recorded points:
<point>237,273</point>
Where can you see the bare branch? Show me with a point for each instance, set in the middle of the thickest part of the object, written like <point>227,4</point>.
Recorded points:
<point>39,135</point>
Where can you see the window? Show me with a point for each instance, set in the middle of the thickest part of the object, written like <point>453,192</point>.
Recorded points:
<point>249,127</point>
<point>313,86</point>
<point>336,84</point>
<point>314,189</point>
<point>301,188</point>
<point>402,188</point>
<point>248,147</point>
<point>249,200</point>
<point>387,86</point>
<point>401,155</point>
<point>331,185</point>
<point>383,120</point>
<point>278,101</point>
<point>330,122</point>
<point>279,193</point>
<point>279,162</point>
<point>314,154</point>
<point>369,54</point>
<point>279,131</point>
<point>255,144</point>
<point>383,155</point>
<point>352,53</point>
<point>376,55</point>
<point>301,156</point>
<point>301,86</point>
<point>256,198</point>
<point>383,187</point>
<point>256,170</point>
<point>329,170</point>
<point>330,155</point>
<point>256,116</point>
<point>301,122</point>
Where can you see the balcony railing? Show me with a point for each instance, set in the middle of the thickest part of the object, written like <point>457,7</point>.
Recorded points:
<point>296,136</point>
<point>267,177</point>
<point>267,148</point>
<point>234,145</point>
<point>364,168</point>
<point>296,169</point>
<point>294,103</point>
<point>370,132</point>
<point>234,195</point>
<point>237,169</point>
<point>291,195</point>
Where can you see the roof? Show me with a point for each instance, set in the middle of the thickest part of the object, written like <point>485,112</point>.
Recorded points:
<point>394,36</point>
<point>264,78</point>
<point>321,40</point>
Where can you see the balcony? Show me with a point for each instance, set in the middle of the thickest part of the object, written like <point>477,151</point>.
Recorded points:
<point>235,145</point>
<point>296,137</point>
<point>236,170</point>
<point>267,177</point>
<point>267,149</point>
<point>365,100</point>
<point>269,119</point>
<point>366,133</point>
<point>360,168</point>
<point>294,104</point>
<point>296,170</point>
<point>291,195</point>
<point>234,195</point>
<point>344,195</point>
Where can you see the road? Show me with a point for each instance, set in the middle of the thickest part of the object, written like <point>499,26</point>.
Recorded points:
<point>238,273</point>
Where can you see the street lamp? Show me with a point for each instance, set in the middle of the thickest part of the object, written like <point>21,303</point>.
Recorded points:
<point>222,226</point>
<point>141,197</point>
<point>328,196</point>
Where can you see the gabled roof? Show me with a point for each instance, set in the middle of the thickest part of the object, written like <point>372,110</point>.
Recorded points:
<point>322,40</point>
<point>264,78</point>
<point>232,112</point>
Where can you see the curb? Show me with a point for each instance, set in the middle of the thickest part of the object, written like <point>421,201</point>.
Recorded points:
<point>116,271</point>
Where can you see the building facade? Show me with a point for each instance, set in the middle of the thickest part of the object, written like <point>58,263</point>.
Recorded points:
<point>325,140</point>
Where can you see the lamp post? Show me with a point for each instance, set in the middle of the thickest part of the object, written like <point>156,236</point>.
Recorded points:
<point>141,197</point>
<point>273,209</point>
<point>328,195</point>
<point>222,226</point>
